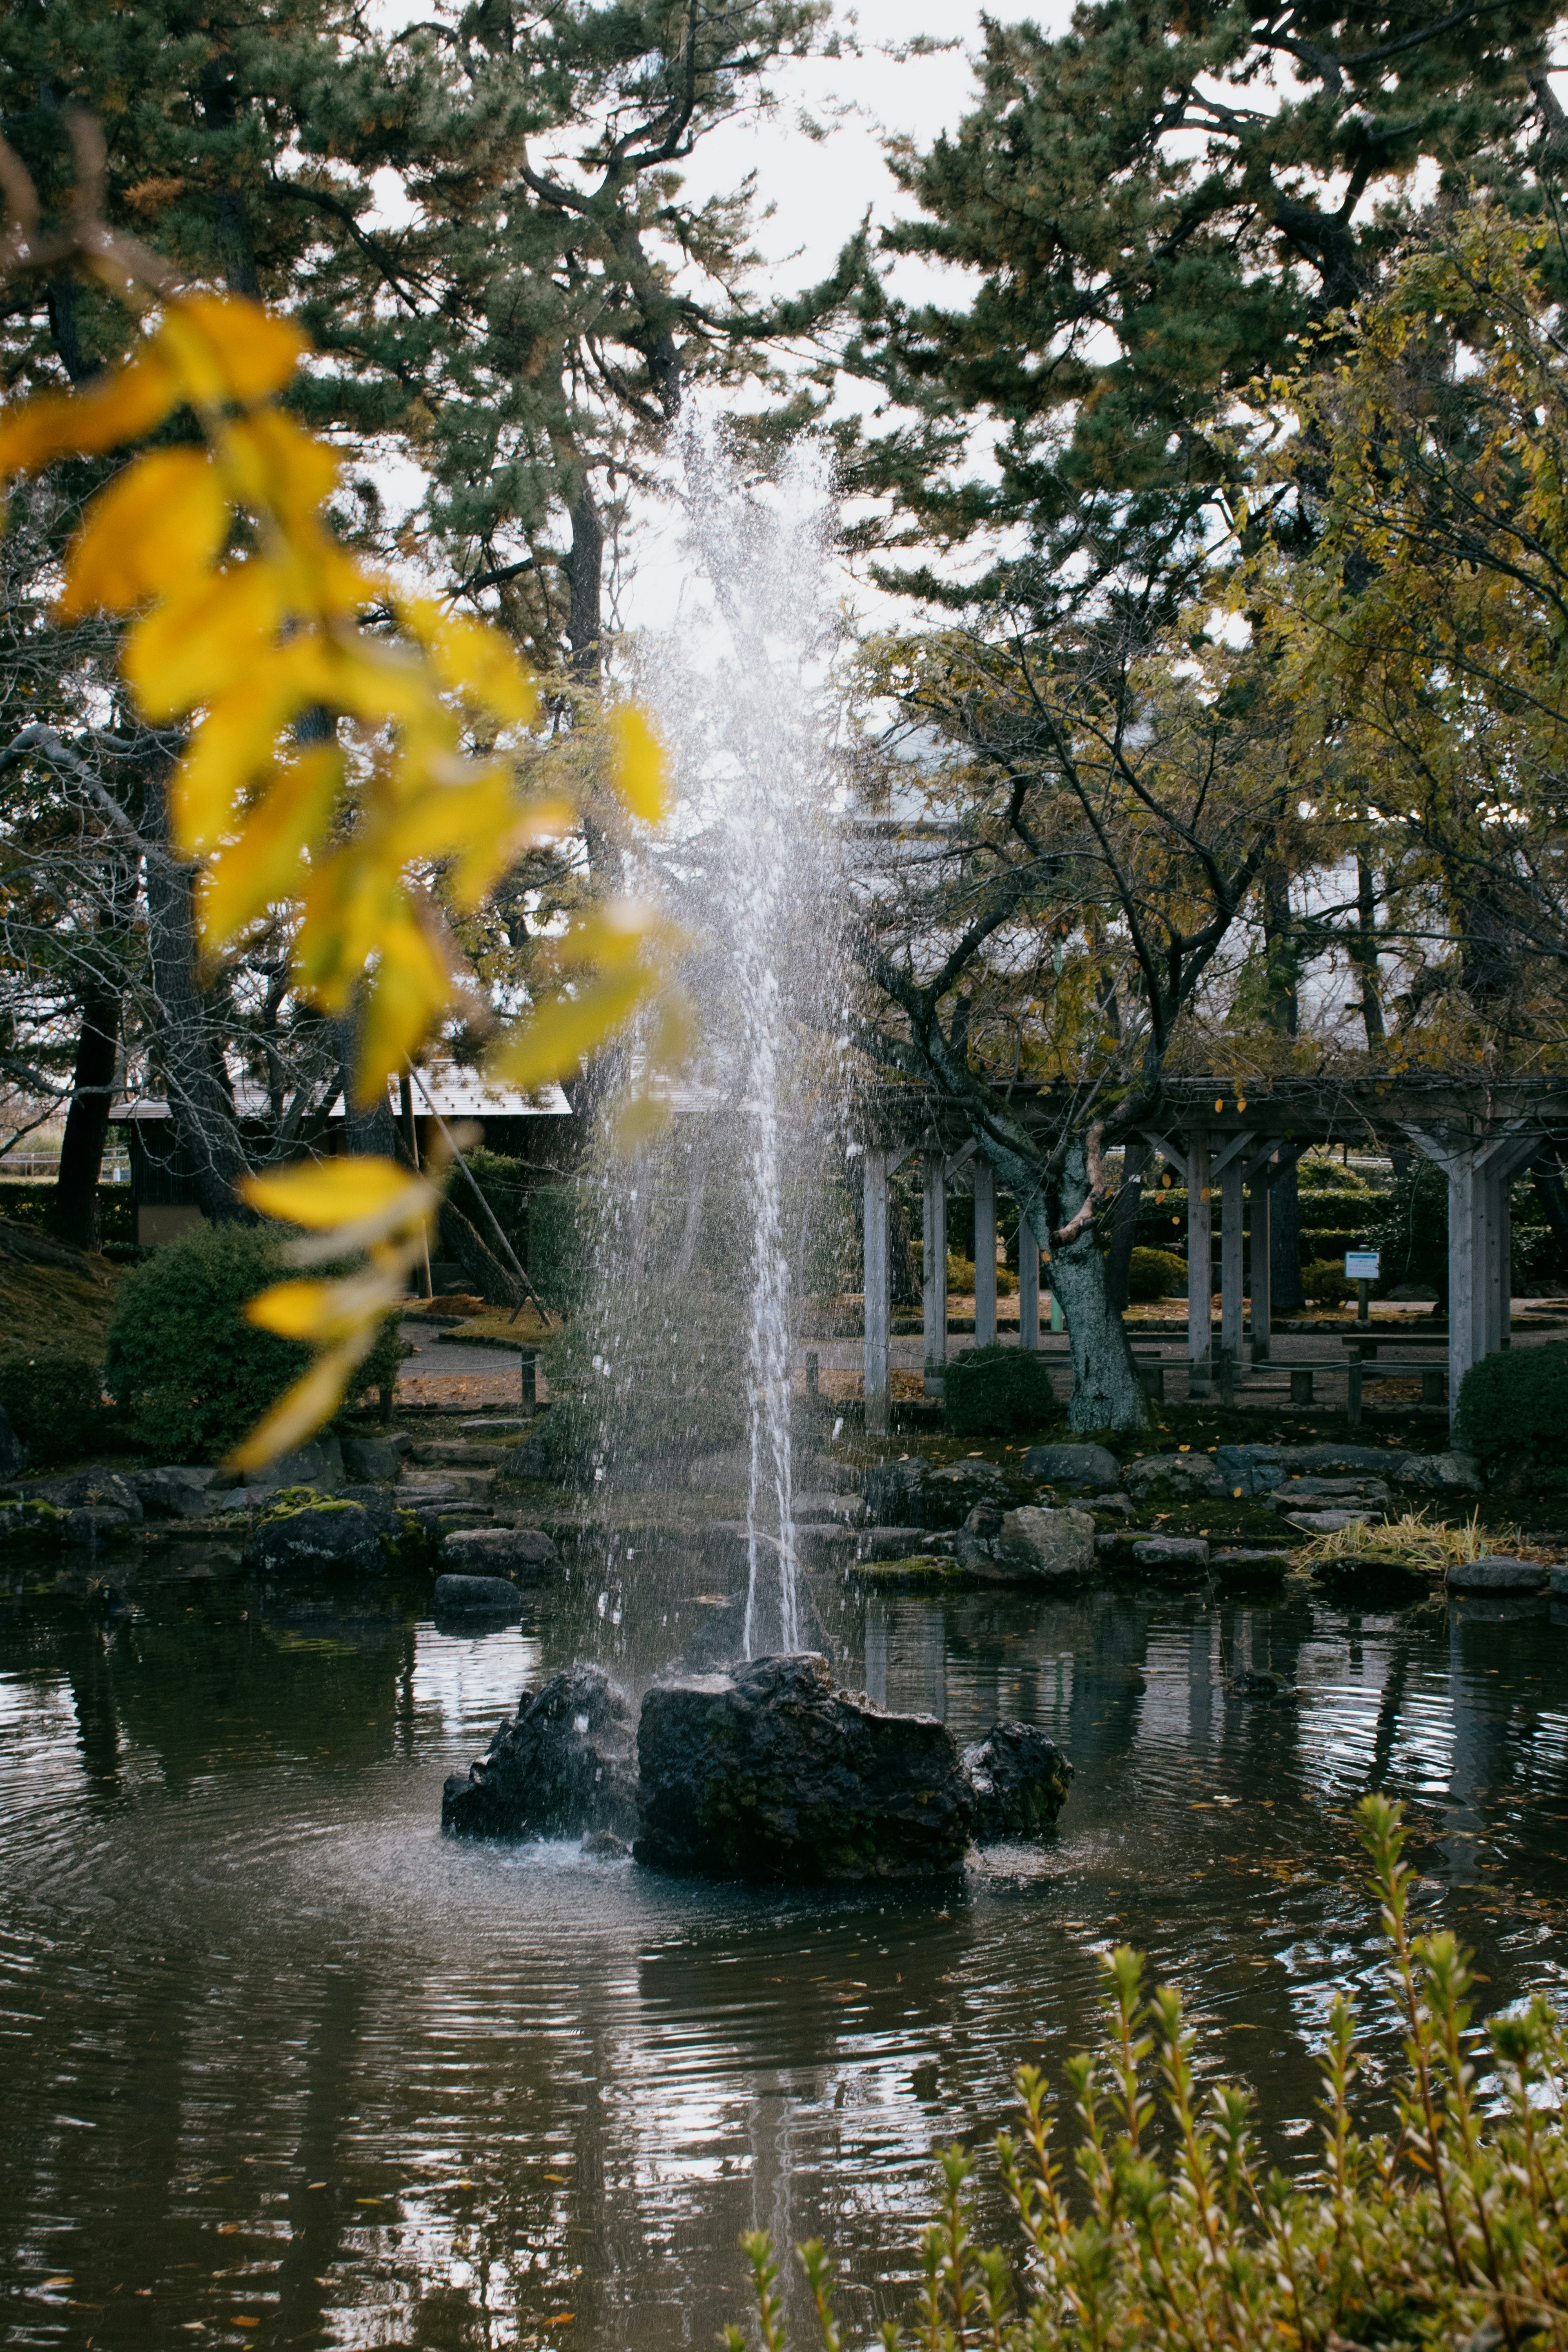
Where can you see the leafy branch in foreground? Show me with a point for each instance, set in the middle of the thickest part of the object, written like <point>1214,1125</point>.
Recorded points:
<point>320,765</point>
<point>1450,2228</point>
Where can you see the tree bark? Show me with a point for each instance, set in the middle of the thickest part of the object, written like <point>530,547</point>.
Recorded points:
<point>1124,1228</point>
<point>1364,953</point>
<point>1105,1391</point>
<point>76,1218</point>
<point>1285,1242</point>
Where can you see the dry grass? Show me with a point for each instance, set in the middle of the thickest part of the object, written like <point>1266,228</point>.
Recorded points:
<point>1418,1542</point>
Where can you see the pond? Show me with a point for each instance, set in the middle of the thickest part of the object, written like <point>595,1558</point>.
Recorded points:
<point>281,2065</point>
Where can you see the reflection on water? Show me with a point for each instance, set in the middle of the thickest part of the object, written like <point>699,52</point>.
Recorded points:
<point>274,2051</point>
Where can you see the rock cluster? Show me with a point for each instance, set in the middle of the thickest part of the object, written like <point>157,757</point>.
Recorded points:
<point>765,1772</point>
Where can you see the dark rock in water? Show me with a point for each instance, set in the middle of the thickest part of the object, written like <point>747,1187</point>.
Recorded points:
<point>606,1846</point>
<point>564,1767</point>
<point>1028,1546</point>
<point>1177,1555</point>
<point>1020,1780</point>
<point>772,1774</point>
<point>917,1493</point>
<point>489,1595</point>
<point>93,1489</point>
<point>180,1491</point>
<point>329,1535</point>
<point>1255,1685</point>
<point>525,1554</point>
<point>380,1507</point>
<point>96,1523</point>
<point>13,1453</point>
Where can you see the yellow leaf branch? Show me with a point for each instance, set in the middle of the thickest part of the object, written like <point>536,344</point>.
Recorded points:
<point>244,621</point>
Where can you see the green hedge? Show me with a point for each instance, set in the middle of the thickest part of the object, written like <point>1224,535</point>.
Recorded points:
<point>182,1360</point>
<point>32,1203</point>
<point>53,1398</point>
<point>997,1392</point>
<point>1513,1407</point>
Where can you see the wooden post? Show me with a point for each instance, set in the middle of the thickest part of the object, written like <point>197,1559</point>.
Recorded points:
<point>1200,1275</point>
<point>984,1254</point>
<point>934,1269</point>
<point>878,1288</point>
<point>1029,1285</point>
<point>1231,1262</point>
<point>1261,1268</point>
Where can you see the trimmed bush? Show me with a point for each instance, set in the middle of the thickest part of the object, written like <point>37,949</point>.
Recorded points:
<point>997,1392</point>
<point>182,1360</point>
<point>53,1398</point>
<point>1323,1283</point>
<point>1156,1273</point>
<point>1513,1407</point>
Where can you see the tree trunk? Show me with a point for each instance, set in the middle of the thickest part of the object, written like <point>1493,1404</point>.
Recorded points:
<point>1105,1389</point>
<point>1124,1227</point>
<point>76,1218</point>
<point>1285,1242</point>
<point>1364,953</point>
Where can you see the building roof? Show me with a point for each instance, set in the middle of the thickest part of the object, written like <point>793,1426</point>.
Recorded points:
<point>455,1093</point>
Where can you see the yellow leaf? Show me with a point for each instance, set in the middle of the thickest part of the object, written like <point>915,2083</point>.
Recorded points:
<point>263,863</point>
<point>134,399</point>
<point>611,935</point>
<point>471,658</point>
<point>320,1193</point>
<point>313,1400</point>
<point>295,1310</point>
<point>276,463</point>
<point>165,517</point>
<point>412,984</point>
<point>234,744</point>
<point>639,764</point>
<point>554,1040</point>
<point>228,348</point>
<point>198,643</point>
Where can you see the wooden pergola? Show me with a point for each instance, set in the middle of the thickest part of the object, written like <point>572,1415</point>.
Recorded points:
<point>1225,1142</point>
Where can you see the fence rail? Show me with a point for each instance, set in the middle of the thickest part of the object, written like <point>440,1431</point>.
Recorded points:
<point>34,1166</point>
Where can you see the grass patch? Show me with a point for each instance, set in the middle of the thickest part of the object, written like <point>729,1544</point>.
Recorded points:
<point>1416,1543</point>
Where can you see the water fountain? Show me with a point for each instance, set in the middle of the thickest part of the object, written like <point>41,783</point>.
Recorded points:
<point>749,1761</point>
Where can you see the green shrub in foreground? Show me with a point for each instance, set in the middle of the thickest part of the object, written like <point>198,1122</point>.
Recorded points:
<point>54,1398</point>
<point>1156,1273</point>
<point>1513,1407</point>
<point>997,1392</point>
<point>1454,2233</point>
<point>183,1360</point>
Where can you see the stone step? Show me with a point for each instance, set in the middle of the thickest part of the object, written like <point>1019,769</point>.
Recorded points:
<point>455,1486</point>
<point>456,1454</point>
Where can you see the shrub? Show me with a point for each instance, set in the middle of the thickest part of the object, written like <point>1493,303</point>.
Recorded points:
<point>560,1244</point>
<point>960,1273</point>
<point>1513,1407</point>
<point>53,1398</point>
<point>1323,1283</point>
<point>1175,2233</point>
<point>997,1392</point>
<point>1156,1273</point>
<point>182,1361</point>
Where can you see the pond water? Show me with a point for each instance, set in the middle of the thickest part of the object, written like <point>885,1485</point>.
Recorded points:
<point>281,2065</point>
